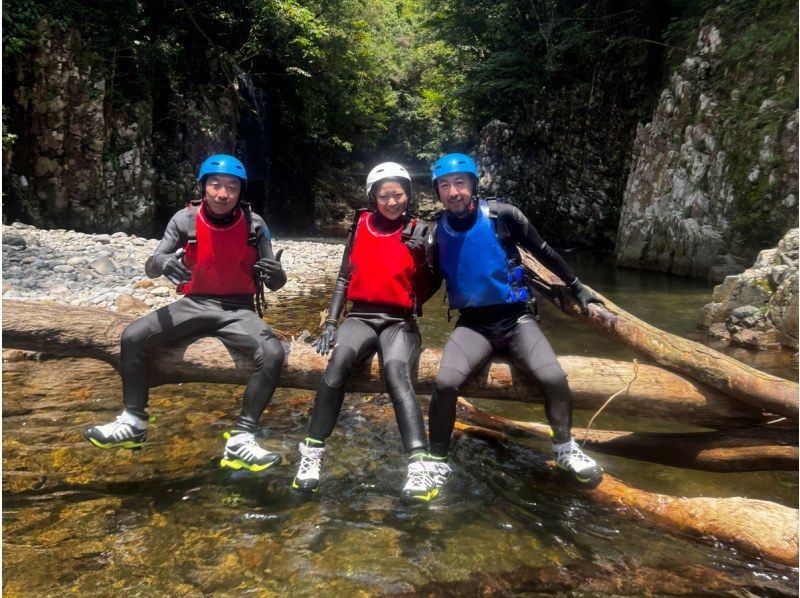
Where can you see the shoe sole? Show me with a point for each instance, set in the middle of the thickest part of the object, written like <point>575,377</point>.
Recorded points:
<point>422,497</point>
<point>242,465</point>
<point>128,444</point>
<point>582,481</point>
<point>296,486</point>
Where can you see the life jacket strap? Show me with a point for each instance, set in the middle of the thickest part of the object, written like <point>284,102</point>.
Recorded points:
<point>408,229</point>
<point>519,273</point>
<point>252,233</point>
<point>191,222</point>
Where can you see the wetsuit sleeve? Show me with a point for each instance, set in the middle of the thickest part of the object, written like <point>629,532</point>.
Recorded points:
<point>526,236</point>
<point>264,237</point>
<point>339,296</point>
<point>175,237</point>
<point>278,280</point>
<point>430,276</point>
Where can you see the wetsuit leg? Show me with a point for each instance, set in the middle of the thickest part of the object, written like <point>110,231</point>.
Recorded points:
<point>398,348</point>
<point>464,352</point>
<point>355,341</point>
<point>248,333</point>
<point>172,322</point>
<point>531,352</point>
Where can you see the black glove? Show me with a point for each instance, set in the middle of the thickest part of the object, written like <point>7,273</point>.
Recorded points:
<point>325,341</point>
<point>174,269</point>
<point>416,245</point>
<point>271,271</point>
<point>583,295</point>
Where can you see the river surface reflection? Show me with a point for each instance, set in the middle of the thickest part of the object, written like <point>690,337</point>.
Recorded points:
<point>168,521</point>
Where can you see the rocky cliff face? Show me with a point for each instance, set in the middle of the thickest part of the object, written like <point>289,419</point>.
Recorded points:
<point>713,178</point>
<point>76,163</point>
<point>759,308</point>
<point>563,164</point>
<point>83,155</point>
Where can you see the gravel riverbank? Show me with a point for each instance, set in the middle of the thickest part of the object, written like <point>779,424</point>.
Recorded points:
<point>107,270</point>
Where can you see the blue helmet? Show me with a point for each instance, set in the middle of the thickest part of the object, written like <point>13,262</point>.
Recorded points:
<point>452,163</point>
<point>222,164</point>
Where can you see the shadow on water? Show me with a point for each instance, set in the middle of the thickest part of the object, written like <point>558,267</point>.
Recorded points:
<point>167,521</point>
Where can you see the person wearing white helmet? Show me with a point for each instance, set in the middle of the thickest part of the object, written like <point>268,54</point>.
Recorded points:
<point>385,275</point>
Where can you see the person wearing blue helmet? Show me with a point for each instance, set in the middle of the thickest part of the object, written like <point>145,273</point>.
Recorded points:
<point>477,249</point>
<point>219,254</point>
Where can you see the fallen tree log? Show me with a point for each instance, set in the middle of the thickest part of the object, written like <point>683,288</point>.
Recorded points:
<point>89,332</point>
<point>43,453</point>
<point>742,449</point>
<point>702,363</point>
<point>757,527</point>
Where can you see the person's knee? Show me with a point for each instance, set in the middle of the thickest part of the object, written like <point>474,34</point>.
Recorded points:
<point>270,355</point>
<point>398,379</point>
<point>447,381</point>
<point>134,337</point>
<point>340,366</point>
<point>552,378</point>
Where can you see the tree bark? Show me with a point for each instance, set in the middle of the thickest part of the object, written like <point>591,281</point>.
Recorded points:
<point>89,332</point>
<point>758,527</point>
<point>745,449</point>
<point>701,363</point>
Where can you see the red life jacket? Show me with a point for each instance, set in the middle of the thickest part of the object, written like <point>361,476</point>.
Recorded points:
<point>221,260</point>
<point>382,270</point>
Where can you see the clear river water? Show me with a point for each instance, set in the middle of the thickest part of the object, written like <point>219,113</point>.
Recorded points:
<point>166,521</point>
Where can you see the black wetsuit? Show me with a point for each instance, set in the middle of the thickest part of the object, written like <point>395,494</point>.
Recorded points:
<point>507,328</point>
<point>231,318</point>
<point>392,332</point>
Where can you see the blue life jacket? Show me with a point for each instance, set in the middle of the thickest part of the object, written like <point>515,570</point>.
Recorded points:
<point>478,270</point>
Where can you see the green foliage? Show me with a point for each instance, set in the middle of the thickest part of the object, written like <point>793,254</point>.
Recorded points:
<point>19,25</point>
<point>21,19</point>
<point>353,82</point>
<point>516,54</point>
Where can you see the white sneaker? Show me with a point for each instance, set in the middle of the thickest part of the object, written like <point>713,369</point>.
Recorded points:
<point>419,483</point>
<point>439,471</point>
<point>242,452</point>
<point>572,460</point>
<point>307,478</point>
<point>126,431</point>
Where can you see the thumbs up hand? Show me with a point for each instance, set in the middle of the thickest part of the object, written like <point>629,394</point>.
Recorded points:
<point>271,271</point>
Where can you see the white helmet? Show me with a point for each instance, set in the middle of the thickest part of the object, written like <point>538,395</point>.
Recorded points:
<point>384,171</point>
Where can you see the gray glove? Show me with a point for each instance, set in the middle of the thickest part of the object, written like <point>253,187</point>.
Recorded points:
<point>174,269</point>
<point>325,341</point>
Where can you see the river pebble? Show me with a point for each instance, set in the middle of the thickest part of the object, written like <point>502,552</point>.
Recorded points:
<point>107,270</point>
